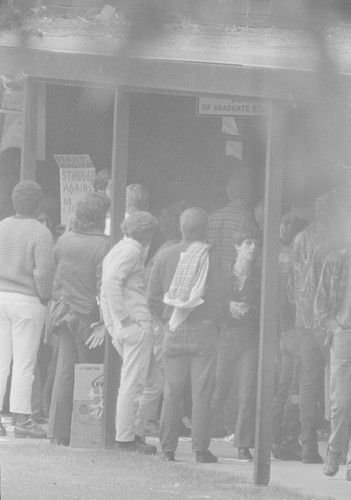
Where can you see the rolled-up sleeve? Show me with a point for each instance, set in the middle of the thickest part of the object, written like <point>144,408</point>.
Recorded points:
<point>118,271</point>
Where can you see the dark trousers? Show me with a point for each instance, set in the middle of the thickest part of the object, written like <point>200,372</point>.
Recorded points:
<point>225,375</point>
<point>237,356</point>
<point>190,349</point>
<point>72,350</point>
<point>311,386</point>
<point>286,414</point>
<point>40,375</point>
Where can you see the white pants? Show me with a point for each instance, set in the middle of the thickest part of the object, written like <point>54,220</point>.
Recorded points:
<point>21,322</point>
<point>135,348</point>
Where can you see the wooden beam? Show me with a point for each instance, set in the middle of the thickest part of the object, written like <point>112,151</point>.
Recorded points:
<point>271,82</point>
<point>269,309</point>
<point>119,182</point>
<point>29,148</point>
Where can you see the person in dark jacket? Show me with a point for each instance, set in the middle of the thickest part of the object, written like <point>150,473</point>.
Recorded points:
<point>239,338</point>
<point>78,255</point>
<point>286,412</point>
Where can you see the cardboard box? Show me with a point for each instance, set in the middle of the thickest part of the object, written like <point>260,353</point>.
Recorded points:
<point>86,426</point>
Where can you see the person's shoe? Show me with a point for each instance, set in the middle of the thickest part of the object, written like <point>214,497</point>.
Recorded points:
<point>59,442</point>
<point>3,431</point>
<point>29,429</point>
<point>310,455</point>
<point>136,445</point>
<point>290,455</point>
<point>348,475</point>
<point>205,457</point>
<point>37,417</point>
<point>244,454</point>
<point>331,465</point>
<point>312,459</point>
<point>168,456</point>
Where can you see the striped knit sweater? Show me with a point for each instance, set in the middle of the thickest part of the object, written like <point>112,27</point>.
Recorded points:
<point>26,257</point>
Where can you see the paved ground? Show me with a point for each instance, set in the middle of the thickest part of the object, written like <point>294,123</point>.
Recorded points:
<point>308,479</point>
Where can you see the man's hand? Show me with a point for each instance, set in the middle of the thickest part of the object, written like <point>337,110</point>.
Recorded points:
<point>146,327</point>
<point>98,335</point>
<point>238,309</point>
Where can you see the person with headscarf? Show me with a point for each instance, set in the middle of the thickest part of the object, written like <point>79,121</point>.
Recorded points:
<point>26,278</point>
<point>128,320</point>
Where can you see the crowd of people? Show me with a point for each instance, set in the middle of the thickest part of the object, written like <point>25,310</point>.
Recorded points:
<point>182,313</point>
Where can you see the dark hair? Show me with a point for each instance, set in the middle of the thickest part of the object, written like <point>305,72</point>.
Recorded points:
<point>291,225</point>
<point>139,226</point>
<point>169,220</point>
<point>137,198</point>
<point>193,224</point>
<point>91,212</point>
<point>48,213</point>
<point>254,234</point>
<point>26,198</point>
<point>101,181</point>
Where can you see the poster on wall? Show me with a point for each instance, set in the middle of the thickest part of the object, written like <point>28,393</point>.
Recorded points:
<point>234,148</point>
<point>229,126</point>
<point>77,173</point>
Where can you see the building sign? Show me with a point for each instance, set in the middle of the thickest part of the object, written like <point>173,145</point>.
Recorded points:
<point>213,106</point>
<point>77,173</point>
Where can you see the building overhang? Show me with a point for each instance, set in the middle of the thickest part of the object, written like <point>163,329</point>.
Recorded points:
<point>266,63</point>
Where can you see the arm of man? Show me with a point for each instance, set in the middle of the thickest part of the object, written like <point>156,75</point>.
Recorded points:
<point>98,334</point>
<point>119,271</point>
<point>155,291</point>
<point>324,305</point>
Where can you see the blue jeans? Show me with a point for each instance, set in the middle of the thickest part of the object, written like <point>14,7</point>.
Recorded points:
<point>311,386</point>
<point>190,349</point>
<point>237,356</point>
<point>340,393</point>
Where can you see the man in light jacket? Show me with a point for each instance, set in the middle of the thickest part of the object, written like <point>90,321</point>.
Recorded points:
<point>128,320</point>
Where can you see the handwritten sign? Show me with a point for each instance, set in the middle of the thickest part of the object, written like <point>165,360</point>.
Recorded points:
<point>77,173</point>
<point>215,106</point>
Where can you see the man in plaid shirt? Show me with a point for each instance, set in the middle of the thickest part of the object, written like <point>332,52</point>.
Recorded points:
<point>232,219</point>
<point>333,314</point>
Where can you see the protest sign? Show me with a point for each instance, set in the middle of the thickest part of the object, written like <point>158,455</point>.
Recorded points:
<point>77,173</point>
